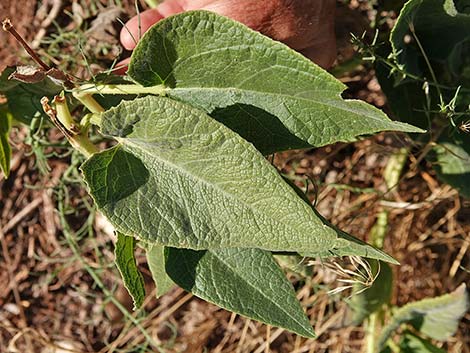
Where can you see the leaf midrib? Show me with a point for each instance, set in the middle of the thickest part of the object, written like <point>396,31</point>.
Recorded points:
<point>255,211</point>
<point>239,276</point>
<point>290,97</point>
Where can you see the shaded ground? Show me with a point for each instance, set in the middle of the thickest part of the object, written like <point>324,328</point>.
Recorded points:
<point>58,274</point>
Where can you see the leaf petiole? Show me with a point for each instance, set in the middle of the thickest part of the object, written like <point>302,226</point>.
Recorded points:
<point>61,117</point>
<point>89,89</point>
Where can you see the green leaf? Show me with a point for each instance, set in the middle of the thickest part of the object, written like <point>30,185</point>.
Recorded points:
<point>156,262</point>
<point>406,98</point>
<point>453,162</point>
<point>181,179</point>
<point>5,148</point>
<point>213,63</point>
<point>126,264</point>
<point>437,24</point>
<point>246,281</point>
<point>373,298</point>
<point>411,343</point>
<point>24,99</point>
<point>437,317</point>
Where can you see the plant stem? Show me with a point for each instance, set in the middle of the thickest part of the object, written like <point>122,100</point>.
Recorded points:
<point>64,121</point>
<point>8,27</point>
<point>89,102</point>
<point>90,89</point>
<point>394,167</point>
<point>371,333</point>
<point>391,174</point>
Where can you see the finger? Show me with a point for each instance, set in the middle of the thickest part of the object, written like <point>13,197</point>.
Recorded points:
<point>121,67</point>
<point>324,56</point>
<point>171,7</point>
<point>130,32</point>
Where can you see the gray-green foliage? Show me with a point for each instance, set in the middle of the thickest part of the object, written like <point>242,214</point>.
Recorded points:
<point>125,262</point>
<point>431,43</point>
<point>156,262</point>
<point>219,65</point>
<point>179,178</point>
<point>245,281</point>
<point>436,317</point>
<point>183,174</point>
<point>184,178</point>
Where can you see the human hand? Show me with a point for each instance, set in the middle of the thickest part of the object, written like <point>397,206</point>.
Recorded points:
<point>305,25</point>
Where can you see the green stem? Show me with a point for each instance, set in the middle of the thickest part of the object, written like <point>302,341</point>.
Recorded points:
<point>371,334</point>
<point>89,102</point>
<point>77,138</point>
<point>90,89</point>
<point>391,174</point>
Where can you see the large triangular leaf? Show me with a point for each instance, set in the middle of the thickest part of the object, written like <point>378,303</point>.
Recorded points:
<point>179,178</point>
<point>437,317</point>
<point>246,281</point>
<point>214,63</point>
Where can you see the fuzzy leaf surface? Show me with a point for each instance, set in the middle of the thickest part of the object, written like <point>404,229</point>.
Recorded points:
<point>5,148</point>
<point>179,178</point>
<point>126,264</point>
<point>453,162</point>
<point>156,261</point>
<point>217,64</point>
<point>436,317</point>
<point>246,281</point>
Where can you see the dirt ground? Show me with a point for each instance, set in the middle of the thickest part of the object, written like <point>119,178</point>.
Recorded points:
<point>62,293</point>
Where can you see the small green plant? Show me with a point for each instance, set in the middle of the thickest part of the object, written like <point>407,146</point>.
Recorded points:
<point>424,71</point>
<point>186,178</point>
<point>417,322</point>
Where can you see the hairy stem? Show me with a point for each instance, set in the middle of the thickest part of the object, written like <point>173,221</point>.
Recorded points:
<point>90,89</point>
<point>61,117</point>
<point>89,102</point>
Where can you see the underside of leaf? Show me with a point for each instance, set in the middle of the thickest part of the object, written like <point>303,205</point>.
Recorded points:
<point>217,64</point>
<point>179,178</point>
<point>246,281</point>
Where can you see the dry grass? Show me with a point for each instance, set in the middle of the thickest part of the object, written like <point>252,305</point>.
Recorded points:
<point>50,300</point>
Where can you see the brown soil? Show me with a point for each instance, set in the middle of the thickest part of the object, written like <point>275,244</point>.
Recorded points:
<point>49,301</point>
<point>23,14</point>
